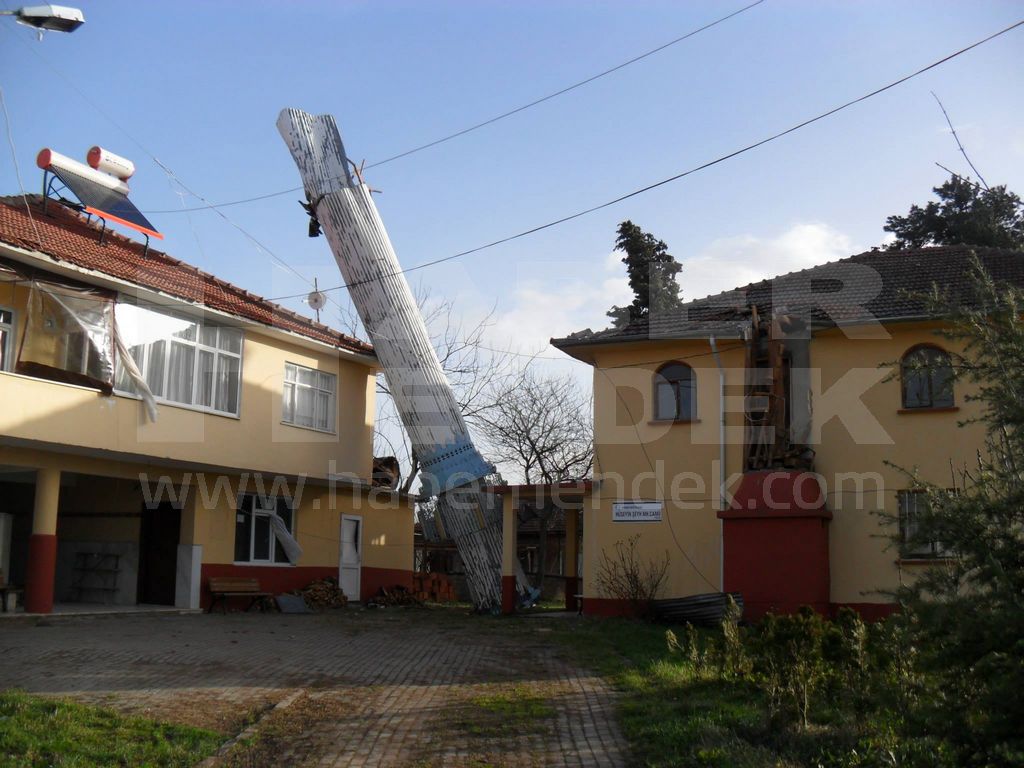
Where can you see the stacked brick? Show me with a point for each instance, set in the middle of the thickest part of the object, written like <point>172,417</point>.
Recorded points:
<point>433,587</point>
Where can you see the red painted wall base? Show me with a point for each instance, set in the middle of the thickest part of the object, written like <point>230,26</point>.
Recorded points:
<point>276,579</point>
<point>285,578</point>
<point>608,608</point>
<point>372,579</point>
<point>508,594</point>
<point>39,577</point>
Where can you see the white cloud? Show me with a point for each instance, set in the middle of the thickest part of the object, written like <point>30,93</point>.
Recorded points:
<point>730,262</point>
<point>559,304</point>
<point>557,299</point>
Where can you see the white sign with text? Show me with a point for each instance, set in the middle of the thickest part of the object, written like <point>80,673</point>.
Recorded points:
<point>637,511</point>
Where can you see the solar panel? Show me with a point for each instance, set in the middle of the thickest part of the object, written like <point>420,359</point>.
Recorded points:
<point>103,202</point>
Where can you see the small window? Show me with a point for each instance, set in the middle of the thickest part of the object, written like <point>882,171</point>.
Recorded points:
<point>675,396</point>
<point>927,376</point>
<point>6,338</point>
<point>308,398</point>
<point>912,504</point>
<point>254,536</point>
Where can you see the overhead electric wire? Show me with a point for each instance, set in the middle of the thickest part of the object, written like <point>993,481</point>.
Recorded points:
<point>17,167</point>
<point>489,121</point>
<point>967,180</point>
<point>167,171</point>
<point>681,175</point>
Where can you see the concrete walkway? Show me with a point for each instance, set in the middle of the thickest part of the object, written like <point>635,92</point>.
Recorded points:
<point>393,687</point>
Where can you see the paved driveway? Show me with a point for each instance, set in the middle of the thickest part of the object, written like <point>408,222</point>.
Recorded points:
<point>393,687</point>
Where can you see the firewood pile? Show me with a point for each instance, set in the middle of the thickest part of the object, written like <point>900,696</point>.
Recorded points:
<point>323,593</point>
<point>396,595</point>
<point>433,587</point>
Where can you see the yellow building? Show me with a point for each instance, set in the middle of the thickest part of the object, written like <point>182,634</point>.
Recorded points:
<point>754,437</point>
<point>262,437</point>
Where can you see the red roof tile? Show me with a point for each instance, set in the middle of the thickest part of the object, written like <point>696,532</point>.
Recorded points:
<point>67,236</point>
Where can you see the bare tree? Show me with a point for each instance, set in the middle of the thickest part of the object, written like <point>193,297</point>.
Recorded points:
<point>541,425</point>
<point>474,370</point>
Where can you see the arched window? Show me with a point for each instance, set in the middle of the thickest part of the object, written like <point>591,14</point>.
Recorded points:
<point>927,376</point>
<point>675,394</point>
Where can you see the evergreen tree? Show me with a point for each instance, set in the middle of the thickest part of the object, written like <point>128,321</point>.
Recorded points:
<point>966,214</point>
<point>968,609</point>
<point>652,275</point>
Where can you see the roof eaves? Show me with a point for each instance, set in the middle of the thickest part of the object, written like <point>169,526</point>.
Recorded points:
<point>75,224</point>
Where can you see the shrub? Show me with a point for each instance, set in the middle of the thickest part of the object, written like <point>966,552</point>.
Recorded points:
<point>623,575</point>
<point>789,664</point>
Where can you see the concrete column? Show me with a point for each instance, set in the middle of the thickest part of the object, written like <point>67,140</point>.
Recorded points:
<point>572,582</point>
<point>509,554</point>
<point>42,544</point>
<point>188,575</point>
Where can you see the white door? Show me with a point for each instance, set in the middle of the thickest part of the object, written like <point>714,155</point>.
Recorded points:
<point>351,555</point>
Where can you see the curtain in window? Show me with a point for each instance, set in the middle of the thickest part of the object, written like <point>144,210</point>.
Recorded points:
<point>181,372</point>
<point>308,397</point>
<point>182,360</point>
<point>227,384</point>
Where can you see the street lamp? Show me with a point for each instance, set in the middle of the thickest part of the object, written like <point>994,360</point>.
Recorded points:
<point>58,18</point>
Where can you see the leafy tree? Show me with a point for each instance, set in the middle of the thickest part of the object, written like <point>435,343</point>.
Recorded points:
<point>969,610</point>
<point>966,214</point>
<point>652,274</point>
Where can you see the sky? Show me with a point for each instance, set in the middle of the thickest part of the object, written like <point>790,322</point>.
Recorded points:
<point>199,85</point>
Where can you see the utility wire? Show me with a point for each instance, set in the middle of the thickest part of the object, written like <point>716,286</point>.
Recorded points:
<point>17,168</point>
<point>661,488</point>
<point>956,136</point>
<point>167,171</point>
<point>976,185</point>
<point>683,174</point>
<point>489,121</point>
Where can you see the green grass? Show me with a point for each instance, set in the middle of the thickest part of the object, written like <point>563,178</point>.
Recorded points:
<point>37,732</point>
<point>675,716</point>
<point>503,713</point>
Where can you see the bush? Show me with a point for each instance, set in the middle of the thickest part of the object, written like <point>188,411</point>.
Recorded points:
<point>623,575</point>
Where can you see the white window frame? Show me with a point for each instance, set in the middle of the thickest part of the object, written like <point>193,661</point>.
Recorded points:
<point>259,509</point>
<point>294,384</point>
<point>197,344</point>
<point>7,354</point>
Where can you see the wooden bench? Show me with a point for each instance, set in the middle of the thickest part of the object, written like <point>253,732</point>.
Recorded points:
<point>5,590</point>
<point>223,587</point>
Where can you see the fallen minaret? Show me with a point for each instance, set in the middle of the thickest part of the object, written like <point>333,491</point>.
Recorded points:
<point>452,467</point>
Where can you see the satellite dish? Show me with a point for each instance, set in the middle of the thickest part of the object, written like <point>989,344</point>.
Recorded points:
<point>316,300</point>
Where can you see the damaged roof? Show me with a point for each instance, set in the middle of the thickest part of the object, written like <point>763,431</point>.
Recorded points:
<point>875,286</point>
<point>69,237</point>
